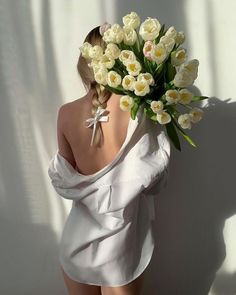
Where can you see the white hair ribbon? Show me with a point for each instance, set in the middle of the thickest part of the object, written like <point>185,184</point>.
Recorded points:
<point>93,121</point>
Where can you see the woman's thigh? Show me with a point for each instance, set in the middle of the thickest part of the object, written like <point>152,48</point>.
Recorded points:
<point>133,288</point>
<point>76,288</point>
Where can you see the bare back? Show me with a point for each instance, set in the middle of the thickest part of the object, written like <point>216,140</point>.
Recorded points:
<point>90,159</point>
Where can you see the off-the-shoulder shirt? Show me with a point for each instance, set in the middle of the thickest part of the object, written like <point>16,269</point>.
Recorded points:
<point>107,239</point>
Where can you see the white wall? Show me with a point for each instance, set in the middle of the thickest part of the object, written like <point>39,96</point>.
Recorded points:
<point>196,219</point>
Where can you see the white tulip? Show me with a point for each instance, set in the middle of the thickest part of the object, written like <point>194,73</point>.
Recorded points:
<point>126,103</point>
<point>95,52</point>
<point>183,78</point>
<point>178,57</point>
<point>185,121</point>
<point>112,51</point>
<point>130,36</point>
<point>188,72</point>
<point>108,36</point>
<point>172,96</point>
<point>107,62</point>
<point>101,76</point>
<point>103,28</point>
<point>98,66</point>
<point>168,42</point>
<point>147,49</point>
<point>146,77</point>
<point>159,53</point>
<point>141,88</point>
<point>85,48</point>
<point>94,64</point>
<point>114,35</point>
<point>117,33</point>
<point>149,29</point>
<point>113,79</point>
<point>163,117</point>
<point>127,56</point>
<point>185,96</point>
<point>180,38</point>
<point>128,82</point>
<point>157,106</point>
<point>192,67</point>
<point>133,68</point>
<point>131,20</point>
<point>171,32</point>
<point>196,115</point>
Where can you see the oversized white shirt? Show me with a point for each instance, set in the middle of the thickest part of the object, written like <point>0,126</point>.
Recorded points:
<point>108,237</point>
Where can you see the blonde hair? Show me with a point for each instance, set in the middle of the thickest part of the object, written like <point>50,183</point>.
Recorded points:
<point>99,96</point>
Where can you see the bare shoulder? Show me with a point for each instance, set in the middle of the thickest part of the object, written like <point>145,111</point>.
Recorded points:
<point>79,110</point>
<point>69,106</point>
<point>67,111</point>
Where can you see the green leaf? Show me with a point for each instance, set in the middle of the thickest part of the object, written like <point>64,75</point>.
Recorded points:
<point>148,65</point>
<point>184,134</point>
<point>115,90</point>
<point>173,135</point>
<point>120,66</point>
<point>153,118</point>
<point>167,86</point>
<point>171,109</point>
<point>131,94</point>
<point>198,98</point>
<point>148,101</point>
<point>159,72</point>
<point>134,110</point>
<point>142,43</point>
<point>170,73</point>
<point>137,99</point>
<point>161,33</point>
<point>150,113</point>
<point>121,46</point>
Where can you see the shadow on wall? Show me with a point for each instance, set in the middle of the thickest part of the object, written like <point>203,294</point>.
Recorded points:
<point>191,212</point>
<point>225,284</point>
<point>200,195</point>
<point>28,250</point>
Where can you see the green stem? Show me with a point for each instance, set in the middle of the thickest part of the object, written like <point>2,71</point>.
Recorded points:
<point>186,106</point>
<point>138,43</point>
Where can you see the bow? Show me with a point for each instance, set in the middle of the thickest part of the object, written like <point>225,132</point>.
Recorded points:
<point>97,118</point>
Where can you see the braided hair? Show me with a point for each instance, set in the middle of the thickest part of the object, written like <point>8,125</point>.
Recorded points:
<point>100,95</point>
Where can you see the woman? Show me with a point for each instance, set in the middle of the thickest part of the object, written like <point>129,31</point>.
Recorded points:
<point>111,172</point>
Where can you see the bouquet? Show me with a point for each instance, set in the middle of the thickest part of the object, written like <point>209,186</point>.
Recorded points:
<point>146,64</point>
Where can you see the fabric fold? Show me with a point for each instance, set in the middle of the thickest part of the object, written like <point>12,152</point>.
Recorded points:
<point>113,208</point>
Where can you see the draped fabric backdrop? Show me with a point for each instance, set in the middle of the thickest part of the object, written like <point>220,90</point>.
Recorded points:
<point>195,225</point>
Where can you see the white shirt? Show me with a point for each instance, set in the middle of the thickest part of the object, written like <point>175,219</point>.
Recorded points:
<point>108,237</point>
